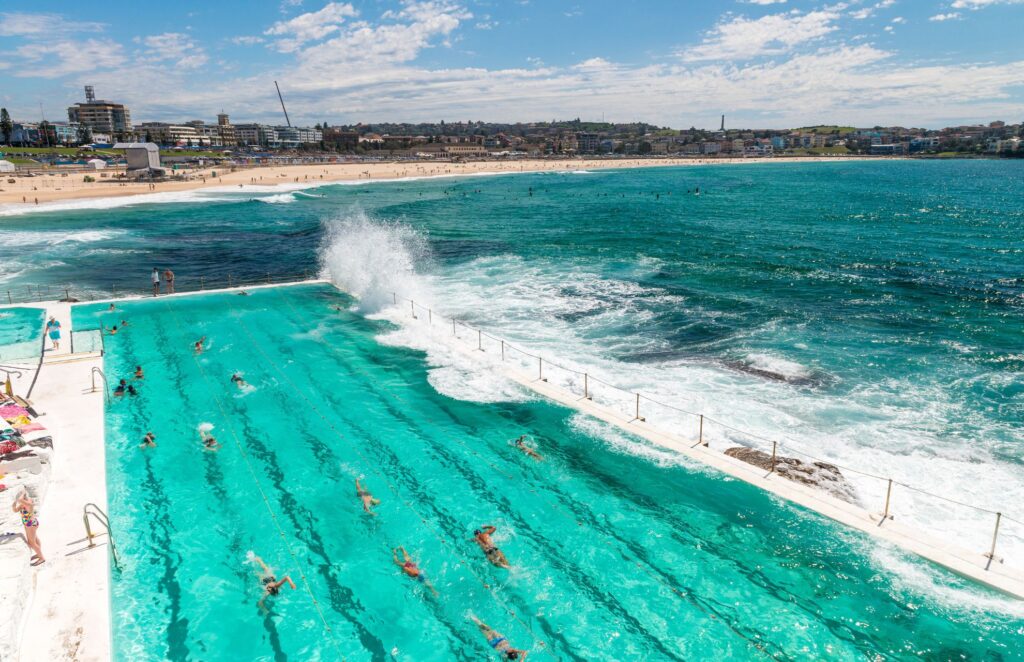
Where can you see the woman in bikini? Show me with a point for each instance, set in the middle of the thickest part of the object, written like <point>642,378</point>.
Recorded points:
<point>24,505</point>
<point>271,584</point>
<point>498,641</point>
<point>482,536</point>
<point>521,445</point>
<point>410,568</point>
<point>369,501</point>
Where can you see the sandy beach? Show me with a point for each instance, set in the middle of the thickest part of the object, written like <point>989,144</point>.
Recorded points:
<point>62,186</point>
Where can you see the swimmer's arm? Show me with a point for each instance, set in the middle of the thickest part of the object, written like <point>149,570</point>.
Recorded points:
<point>489,530</point>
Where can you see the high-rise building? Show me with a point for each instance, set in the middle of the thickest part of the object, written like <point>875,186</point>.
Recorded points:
<point>228,138</point>
<point>101,116</point>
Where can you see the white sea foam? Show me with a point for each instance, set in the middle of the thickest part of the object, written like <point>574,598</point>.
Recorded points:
<point>279,199</point>
<point>575,316</point>
<point>55,237</point>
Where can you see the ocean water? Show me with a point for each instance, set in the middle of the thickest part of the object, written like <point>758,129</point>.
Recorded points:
<point>618,551</point>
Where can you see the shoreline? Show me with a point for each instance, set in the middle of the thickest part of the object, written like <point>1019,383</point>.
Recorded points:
<point>65,187</point>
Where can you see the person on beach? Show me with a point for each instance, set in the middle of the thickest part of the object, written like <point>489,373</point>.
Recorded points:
<point>521,445</point>
<point>410,568</point>
<point>209,442</point>
<point>138,372</point>
<point>482,536</point>
<point>156,281</point>
<point>199,345</point>
<point>368,499</point>
<point>149,441</point>
<point>169,281</point>
<point>238,381</point>
<point>498,642</point>
<point>122,388</point>
<point>271,584</point>
<point>53,330</point>
<point>26,507</point>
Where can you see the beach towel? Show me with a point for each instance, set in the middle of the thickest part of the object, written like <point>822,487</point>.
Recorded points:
<point>15,421</point>
<point>11,411</point>
<point>30,427</point>
<point>8,447</point>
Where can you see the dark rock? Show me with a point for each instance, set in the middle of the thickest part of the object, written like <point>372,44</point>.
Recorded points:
<point>817,474</point>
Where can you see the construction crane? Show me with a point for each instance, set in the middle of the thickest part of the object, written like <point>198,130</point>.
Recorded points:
<point>282,104</point>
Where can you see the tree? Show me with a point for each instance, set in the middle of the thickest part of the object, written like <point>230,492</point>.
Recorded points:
<point>84,135</point>
<point>6,126</point>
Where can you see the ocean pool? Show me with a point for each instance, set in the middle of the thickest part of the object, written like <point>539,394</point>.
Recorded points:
<point>21,331</point>
<point>614,556</point>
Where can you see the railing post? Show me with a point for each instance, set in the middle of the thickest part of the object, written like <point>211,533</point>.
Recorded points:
<point>888,497</point>
<point>774,447</point>
<point>995,534</point>
<point>9,300</point>
<point>113,290</point>
<point>453,327</point>
<point>430,316</point>
<point>229,280</point>
<point>394,297</point>
<point>67,294</point>
<point>540,369</point>
<point>638,416</point>
<point>479,340</point>
<point>700,432</point>
<point>502,350</point>
<point>268,278</point>
<point>202,282</point>
<point>586,386</point>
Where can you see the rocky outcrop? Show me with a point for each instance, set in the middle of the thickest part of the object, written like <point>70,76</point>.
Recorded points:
<point>817,474</point>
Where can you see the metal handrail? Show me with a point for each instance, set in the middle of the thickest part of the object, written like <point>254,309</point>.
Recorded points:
<point>101,517</point>
<point>106,384</point>
<point>42,353</point>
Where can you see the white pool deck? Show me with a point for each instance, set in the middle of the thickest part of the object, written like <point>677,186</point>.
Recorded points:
<point>66,601</point>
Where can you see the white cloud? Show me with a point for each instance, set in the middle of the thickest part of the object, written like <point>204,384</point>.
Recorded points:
<point>945,17</point>
<point>311,26</point>
<point>60,58</point>
<point>899,19</point>
<point>743,38</point>
<point>246,40</point>
<point>978,4</point>
<point>861,14</point>
<point>22,24</point>
<point>176,47</point>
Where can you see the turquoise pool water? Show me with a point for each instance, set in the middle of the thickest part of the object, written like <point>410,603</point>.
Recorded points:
<point>21,332</point>
<point>615,557</point>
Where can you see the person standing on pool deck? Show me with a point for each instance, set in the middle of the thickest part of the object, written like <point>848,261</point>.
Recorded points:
<point>53,330</point>
<point>410,568</point>
<point>24,505</point>
<point>169,281</point>
<point>271,584</point>
<point>156,281</point>
<point>498,641</point>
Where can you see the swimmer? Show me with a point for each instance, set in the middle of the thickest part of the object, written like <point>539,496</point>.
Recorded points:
<point>271,584</point>
<point>368,499</point>
<point>113,330</point>
<point>124,323</point>
<point>209,442</point>
<point>498,641</point>
<point>138,372</point>
<point>410,568</point>
<point>198,346</point>
<point>243,293</point>
<point>131,390</point>
<point>521,445</point>
<point>237,380</point>
<point>122,387</point>
<point>111,309</point>
<point>482,536</point>
<point>149,441</point>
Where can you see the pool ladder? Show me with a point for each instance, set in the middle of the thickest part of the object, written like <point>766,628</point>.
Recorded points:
<point>101,517</point>
<point>106,386</point>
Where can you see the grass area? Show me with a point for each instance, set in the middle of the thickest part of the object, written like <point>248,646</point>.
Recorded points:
<point>21,160</point>
<point>60,151</point>
<point>826,129</point>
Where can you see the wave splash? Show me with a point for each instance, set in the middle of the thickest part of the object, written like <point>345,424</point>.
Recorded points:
<point>373,259</point>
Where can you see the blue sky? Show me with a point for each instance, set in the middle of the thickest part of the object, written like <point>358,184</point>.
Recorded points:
<point>764,63</point>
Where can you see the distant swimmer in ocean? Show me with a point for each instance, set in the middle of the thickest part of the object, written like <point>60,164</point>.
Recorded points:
<point>410,568</point>
<point>149,441</point>
<point>243,293</point>
<point>210,443</point>
<point>369,501</point>
<point>498,641</point>
<point>237,380</point>
<point>482,536</point>
<point>112,308</point>
<point>271,584</point>
<point>199,345</point>
<point>521,445</point>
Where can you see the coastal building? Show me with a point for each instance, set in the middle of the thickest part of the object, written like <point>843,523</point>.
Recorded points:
<point>226,131</point>
<point>163,133</point>
<point>143,159</point>
<point>101,116</point>
<point>587,142</point>
<point>340,138</point>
